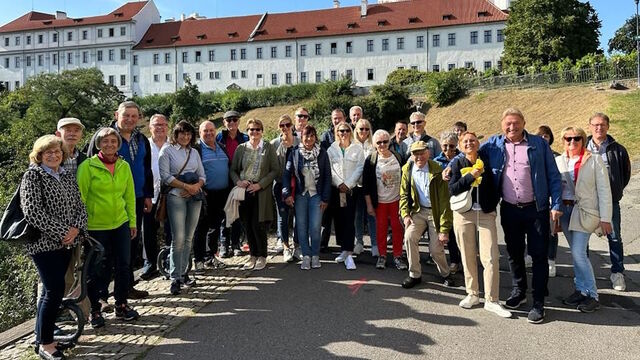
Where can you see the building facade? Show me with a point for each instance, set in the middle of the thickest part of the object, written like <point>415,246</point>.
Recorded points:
<point>145,56</point>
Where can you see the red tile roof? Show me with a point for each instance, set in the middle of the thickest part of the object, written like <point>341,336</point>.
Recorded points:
<point>193,32</point>
<point>404,15</point>
<point>36,20</point>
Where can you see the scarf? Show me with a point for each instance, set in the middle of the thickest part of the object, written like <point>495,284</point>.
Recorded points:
<point>107,160</point>
<point>311,159</point>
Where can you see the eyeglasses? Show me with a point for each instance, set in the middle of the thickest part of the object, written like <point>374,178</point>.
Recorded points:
<point>382,142</point>
<point>53,152</point>
<point>231,119</point>
<point>448,146</point>
<point>286,125</point>
<point>417,122</point>
<point>364,129</point>
<point>255,129</point>
<point>574,138</point>
<point>302,116</point>
<point>598,125</point>
<point>344,131</point>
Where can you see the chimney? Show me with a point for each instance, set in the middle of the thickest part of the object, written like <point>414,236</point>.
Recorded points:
<point>171,19</point>
<point>181,17</point>
<point>336,4</point>
<point>60,15</point>
<point>363,8</point>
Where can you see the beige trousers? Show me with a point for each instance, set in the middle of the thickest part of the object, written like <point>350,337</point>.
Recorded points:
<point>464,226</point>
<point>422,221</point>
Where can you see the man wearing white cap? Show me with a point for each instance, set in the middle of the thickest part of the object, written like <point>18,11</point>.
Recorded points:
<point>70,131</point>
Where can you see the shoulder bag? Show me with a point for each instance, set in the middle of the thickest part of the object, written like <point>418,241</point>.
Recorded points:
<point>161,204</point>
<point>14,228</point>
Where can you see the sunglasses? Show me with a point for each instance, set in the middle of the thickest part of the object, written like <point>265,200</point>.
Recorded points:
<point>233,119</point>
<point>344,131</point>
<point>382,142</point>
<point>417,122</point>
<point>574,138</point>
<point>448,146</point>
<point>302,116</point>
<point>255,129</point>
<point>364,129</point>
<point>286,125</point>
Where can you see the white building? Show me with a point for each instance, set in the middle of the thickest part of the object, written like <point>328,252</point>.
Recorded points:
<point>365,42</point>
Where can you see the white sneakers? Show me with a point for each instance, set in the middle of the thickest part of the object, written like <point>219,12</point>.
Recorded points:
<point>617,281</point>
<point>250,264</point>
<point>552,268</point>
<point>497,309</point>
<point>349,263</point>
<point>342,257</point>
<point>358,248</point>
<point>469,302</point>
<point>287,254</point>
<point>261,262</point>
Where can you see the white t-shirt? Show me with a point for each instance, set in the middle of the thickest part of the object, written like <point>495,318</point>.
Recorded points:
<point>567,190</point>
<point>388,179</point>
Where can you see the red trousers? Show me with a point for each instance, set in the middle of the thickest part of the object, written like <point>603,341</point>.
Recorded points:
<point>386,213</point>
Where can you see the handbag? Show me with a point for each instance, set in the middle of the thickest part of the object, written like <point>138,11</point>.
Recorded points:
<point>161,204</point>
<point>462,202</point>
<point>14,228</point>
<point>589,219</point>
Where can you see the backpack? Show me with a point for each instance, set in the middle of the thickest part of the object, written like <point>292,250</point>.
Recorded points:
<point>14,228</point>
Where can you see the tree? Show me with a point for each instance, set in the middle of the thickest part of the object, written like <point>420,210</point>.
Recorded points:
<point>186,104</point>
<point>623,40</point>
<point>541,31</point>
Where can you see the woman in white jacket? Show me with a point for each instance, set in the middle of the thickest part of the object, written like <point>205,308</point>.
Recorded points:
<point>347,162</point>
<point>586,196</point>
<point>362,137</point>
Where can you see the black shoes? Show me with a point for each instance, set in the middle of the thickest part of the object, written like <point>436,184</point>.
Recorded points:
<point>448,281</point>
<point>175,287</point>
<point>516,299</point>
<point>126,313</point>
<point>410,282</point>
<point>96,319</point>
<point>589,305</point>
<point>188,282</point>
<point>574,299</point>
<point>536,314</point>
<point>149,273</point>
<point>137,294</point>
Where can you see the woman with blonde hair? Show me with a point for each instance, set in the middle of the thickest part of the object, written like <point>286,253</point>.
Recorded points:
<point>362,138</point>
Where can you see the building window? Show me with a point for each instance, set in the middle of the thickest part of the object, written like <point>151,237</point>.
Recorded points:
<point>135,59</point>
<point>212,55</point>
<point>349,47</point>
<point>85,57</point>
<point>274,52</point>
<point>334,75</point>
<point>167,77</point>
<point>167,58</point>
<point>17,83</point>
<point>287,78</point>
<point>234,74</point>
<point>123,80</point>
<point>198,56</point>
<point>85,34</point>
<point>435,40</point>
<point>123,54</point>
<point>436,68</point>
<point>474,37</point>
<point>99,55</point>
<point>198,76</point>
<point>54,59</point>
<point>28,61</point>
<point>243,74</point>
<point>318,76</point>
<point>243,54</point>
<point>499,65</point>
<point>303,77</point>
<point>156,59</point>
<point>451,67</point>
<point>135,79</point>
<point>6,42</point>
<point>400,43</point>
<point>414,67</point>
<point>54,37</point>
<point>370,74</point>
<point>40,40</point>
<point>123,31</point>
<point>17,40</point>
<point>385,44</point>
<point>487,65</point>
<point>468,65</point>
<point>287,51</point>
<point>156,78</point>
<point>303,50</point>
<point>185,76</point>
<point>6,62</point>
<point>369,45</point>
<point>274,79</point>
<point>334,48</point>
<point>452,39</point>
<point>214,75</point>
<point>349,74</point>
<point>40,61</point>
<point>185,57</point>
<point>111,32</point>
<point>318,49</point>
<point>487,36</point>
<point>70,36</point>
<point>419,42</point>
<point>99,33</point>
<point>233,54</point>
<point>258,53</point>
<point>500,35</point>
<point>112,80</point>
<point>28,41</point>
<point>112,55</point>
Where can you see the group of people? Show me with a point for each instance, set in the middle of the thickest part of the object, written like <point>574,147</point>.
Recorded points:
<point>216,185</point>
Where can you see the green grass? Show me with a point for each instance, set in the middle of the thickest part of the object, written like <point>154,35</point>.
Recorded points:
<point>624,111</point>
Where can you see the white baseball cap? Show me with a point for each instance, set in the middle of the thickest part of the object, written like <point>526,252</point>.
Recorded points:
<point>69,121</point>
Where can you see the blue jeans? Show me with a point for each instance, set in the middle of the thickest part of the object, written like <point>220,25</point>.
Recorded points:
<point>615,241</point>
<point>51,265</point>
<point>361,213</point>
<point>309,223</point>
<point>117,250</point>
<point>283,213</point>
<point>183,215</point>
<point>584,278</point>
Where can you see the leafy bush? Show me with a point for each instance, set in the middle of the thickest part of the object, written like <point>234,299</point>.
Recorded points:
<point>155,104</point>
<point>405,77</point>
<point>17,288</point>
<point>445,88</point>
<point>328,96</point>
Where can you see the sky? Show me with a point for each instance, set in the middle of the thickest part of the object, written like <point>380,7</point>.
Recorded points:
<point>612,13</point>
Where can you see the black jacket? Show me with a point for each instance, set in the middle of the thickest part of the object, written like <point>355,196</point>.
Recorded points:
<point>619,167</point>
<point>457,184</point>
<point>328,137</point>
<point>369,179</point>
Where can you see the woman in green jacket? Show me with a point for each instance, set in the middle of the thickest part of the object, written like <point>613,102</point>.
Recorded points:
<point>106,185</point>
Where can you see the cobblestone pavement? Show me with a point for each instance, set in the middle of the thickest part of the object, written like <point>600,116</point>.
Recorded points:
<point>160,313</point>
